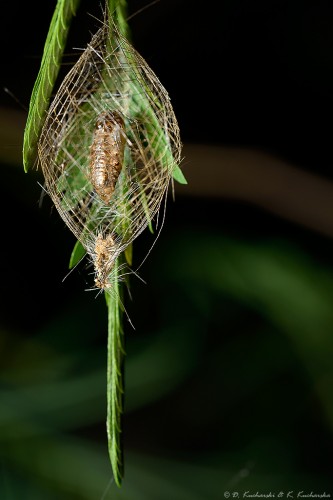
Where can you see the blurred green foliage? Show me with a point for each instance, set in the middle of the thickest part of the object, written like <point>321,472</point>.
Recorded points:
<point>228,373</point>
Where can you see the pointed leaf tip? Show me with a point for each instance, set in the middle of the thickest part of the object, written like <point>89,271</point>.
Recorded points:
<point>77,254</point>
<point>178,175</point>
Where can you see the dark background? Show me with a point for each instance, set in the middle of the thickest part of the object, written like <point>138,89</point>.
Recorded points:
<point>229,370</point>
<point>244,73</point>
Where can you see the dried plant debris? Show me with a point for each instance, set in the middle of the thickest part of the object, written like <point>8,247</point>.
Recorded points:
<point>108,148</point>
<point>103,259</point>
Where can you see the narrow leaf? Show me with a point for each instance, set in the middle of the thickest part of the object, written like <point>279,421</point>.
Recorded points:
<point>118,14</point>
<point>48,72</point>
<point>77,254</point>
<point>178,175</point>
<point>129,254</point>
<point>115,389</point>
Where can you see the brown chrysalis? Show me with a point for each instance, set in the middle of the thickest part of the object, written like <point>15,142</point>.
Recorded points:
<point>107,154</point>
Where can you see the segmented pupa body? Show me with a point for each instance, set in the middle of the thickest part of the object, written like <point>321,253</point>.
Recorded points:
<point>104,249</point>
<point>107,154</point>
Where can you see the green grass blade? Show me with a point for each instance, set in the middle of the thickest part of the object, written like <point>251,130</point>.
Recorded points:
<point>178,175</point>
<point>117,10</point>
<point>115,389</point>
<point>129,254</point>
<point>77,254</point>
<point>118,14</point>
<point>48,72</point>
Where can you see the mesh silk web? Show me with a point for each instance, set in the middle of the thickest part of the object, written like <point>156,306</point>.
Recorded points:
<point>108,148</point>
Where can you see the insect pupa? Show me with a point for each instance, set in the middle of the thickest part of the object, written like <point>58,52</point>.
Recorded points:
<point>107,154</point>
<point>103,262</point>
